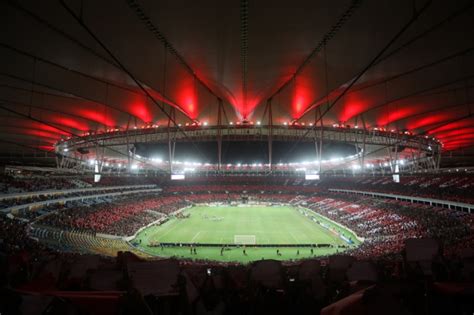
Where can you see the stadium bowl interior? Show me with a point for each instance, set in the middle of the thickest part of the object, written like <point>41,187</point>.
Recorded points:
<point>236,157</point>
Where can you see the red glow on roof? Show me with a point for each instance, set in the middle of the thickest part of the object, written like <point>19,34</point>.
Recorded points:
<point>244,109</point>
<point>69,122</point>
<point>141,109</point>
<point>466,136</point>
<point>187,99</point>
<point>45,147</point>
<point>53,130</point>
<point>453,125</point>
<point>352,107</point>
<point>97,117</point>
<point>393,116</point>
<point>34,132</point>
<point>429,120</point>
<point>454,132</point>
<point>19,123</point>
<point>304,93</point>
<point>455,145</point>
<point>297,108</point>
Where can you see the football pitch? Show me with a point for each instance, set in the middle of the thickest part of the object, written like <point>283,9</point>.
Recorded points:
<point>261,225</point>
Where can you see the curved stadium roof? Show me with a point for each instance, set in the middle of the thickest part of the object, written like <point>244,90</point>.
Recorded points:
<point>69,67</point>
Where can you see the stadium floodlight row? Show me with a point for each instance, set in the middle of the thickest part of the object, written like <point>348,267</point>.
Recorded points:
<point>376,150</point>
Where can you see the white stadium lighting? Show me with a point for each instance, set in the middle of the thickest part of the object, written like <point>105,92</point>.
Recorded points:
<point>258,122</point>
<point>96,173</point>
<point>177,177</point>
<point>311,177</point>
<point>134,167</point>
<point>205,123</point>
<point>396,176</point>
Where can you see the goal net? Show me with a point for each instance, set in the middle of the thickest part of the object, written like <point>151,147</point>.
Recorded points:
<point>245,239</point>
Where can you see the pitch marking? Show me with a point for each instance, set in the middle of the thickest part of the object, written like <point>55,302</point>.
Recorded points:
<point>197,234</point>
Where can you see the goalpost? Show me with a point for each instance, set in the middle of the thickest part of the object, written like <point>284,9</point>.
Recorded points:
<point>245,239</point>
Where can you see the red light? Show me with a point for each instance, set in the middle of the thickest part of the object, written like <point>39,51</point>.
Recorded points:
<point>468,122</point>
<point>96,116</point>
<point>391,116</point>
<point>141,110</point>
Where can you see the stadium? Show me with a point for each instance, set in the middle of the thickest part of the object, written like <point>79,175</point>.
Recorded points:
<point>236,157</point>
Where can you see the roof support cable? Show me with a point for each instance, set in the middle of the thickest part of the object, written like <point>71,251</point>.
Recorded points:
<point>365,69</point>
<point>457,54</point>
<point>355,4</point>
<point>142,16</point>
<point>76,72</point>
<point>16,5</point>
<point>137,82</point>
<point>244,49</point>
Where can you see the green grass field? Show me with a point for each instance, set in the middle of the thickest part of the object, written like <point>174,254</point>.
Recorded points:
<point>219,225</point>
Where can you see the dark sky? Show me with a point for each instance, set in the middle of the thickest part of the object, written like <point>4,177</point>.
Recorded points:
<point>246,152</point>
